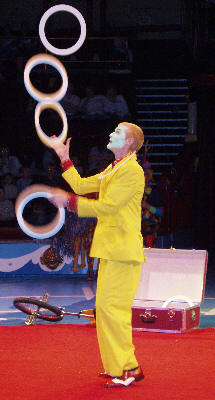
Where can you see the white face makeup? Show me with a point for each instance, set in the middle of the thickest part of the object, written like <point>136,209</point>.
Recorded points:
<point>117,138</point>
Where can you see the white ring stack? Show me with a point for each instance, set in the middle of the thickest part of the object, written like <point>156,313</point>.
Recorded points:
<point>47,100</point>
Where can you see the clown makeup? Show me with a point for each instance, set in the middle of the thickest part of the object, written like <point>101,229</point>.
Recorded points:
<point>117,138</point>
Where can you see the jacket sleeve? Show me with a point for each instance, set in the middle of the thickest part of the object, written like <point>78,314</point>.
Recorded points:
<point>81,185</point>
<point>122,187</point>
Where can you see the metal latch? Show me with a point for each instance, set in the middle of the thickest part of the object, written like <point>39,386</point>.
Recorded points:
<point>148,317</point>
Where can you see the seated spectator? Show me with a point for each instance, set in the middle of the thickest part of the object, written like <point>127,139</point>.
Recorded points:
<point>28,157</point>
<point>99,157</point>
<point>119,49</point>
<point>120,52</point>
<point>152,210</point>
<point>115,104</point>
<point>7,214</point>
<point>71,102</point>
<point>52,177</point>
<point>41,213</point>
<point>10,189</point>
<point>25,180</point>
<point>92,105</point>
<point>8,163</point>
<point>49,157</point>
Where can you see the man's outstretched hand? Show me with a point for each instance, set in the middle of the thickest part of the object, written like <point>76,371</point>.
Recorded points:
<point>62,150</point>
<point>59,197</point>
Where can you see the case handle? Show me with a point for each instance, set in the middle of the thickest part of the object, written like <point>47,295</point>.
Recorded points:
<point>173,298</point>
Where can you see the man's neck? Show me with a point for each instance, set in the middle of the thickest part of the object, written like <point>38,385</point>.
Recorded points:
<point>121,153</point>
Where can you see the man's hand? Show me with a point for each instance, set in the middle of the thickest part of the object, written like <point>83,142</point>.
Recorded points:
<point>62,150</point>
<point>59,197</point>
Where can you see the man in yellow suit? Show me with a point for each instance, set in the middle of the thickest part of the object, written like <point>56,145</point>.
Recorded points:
<point>117,242</point>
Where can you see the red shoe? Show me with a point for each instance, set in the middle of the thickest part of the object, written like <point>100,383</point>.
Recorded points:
<point>105,375</point>
<point>137,373</point>
<point>127,378</point>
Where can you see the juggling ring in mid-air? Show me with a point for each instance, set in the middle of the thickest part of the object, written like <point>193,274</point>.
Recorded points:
<point>38,232</point>
<point>80,41</point>
<point>48,141</point>
<point>54,62</point>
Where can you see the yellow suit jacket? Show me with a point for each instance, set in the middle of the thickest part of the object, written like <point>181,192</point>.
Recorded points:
<point>118,210</point>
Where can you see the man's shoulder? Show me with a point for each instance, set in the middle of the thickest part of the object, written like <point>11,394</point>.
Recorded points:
<point>131,167</point>
<point>135,165</point>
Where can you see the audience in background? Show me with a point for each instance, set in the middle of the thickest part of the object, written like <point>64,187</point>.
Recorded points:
<point>10,189</point>
<point>40,212</point>
<point>25,180</point>
<point>7,214</point>
<point>48,158</point>
<point>77,163</point>
<point>92,105</point>
<point>52,176</point>
<point>152,210</point>
<point>71,102</point>
<point>28,165</point>
<point>115,105</point>
<point>98,157</point>
<point>8,163</point>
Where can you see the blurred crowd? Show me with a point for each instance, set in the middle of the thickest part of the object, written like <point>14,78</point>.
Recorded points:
<point>16,175</point>
<point>22,162</point>
<point>93,106</point>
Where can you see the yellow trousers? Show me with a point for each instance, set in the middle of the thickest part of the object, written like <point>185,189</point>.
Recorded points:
<point>116,288</point>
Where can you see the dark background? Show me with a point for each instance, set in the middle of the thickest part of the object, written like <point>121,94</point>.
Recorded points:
<point>166,39</point>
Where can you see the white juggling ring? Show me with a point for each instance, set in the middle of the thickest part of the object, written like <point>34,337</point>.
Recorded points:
<point>56,50</point>
<point>38,232</point>
<point>54,62</point>
<point>48,141</point>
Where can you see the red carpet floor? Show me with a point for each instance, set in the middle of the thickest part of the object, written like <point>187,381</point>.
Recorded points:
<point>60,362</point>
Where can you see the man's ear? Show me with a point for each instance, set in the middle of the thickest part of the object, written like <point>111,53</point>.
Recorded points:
<point>130,140</point>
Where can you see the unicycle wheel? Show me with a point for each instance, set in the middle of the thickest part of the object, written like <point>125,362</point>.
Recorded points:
<point>38,308</point>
